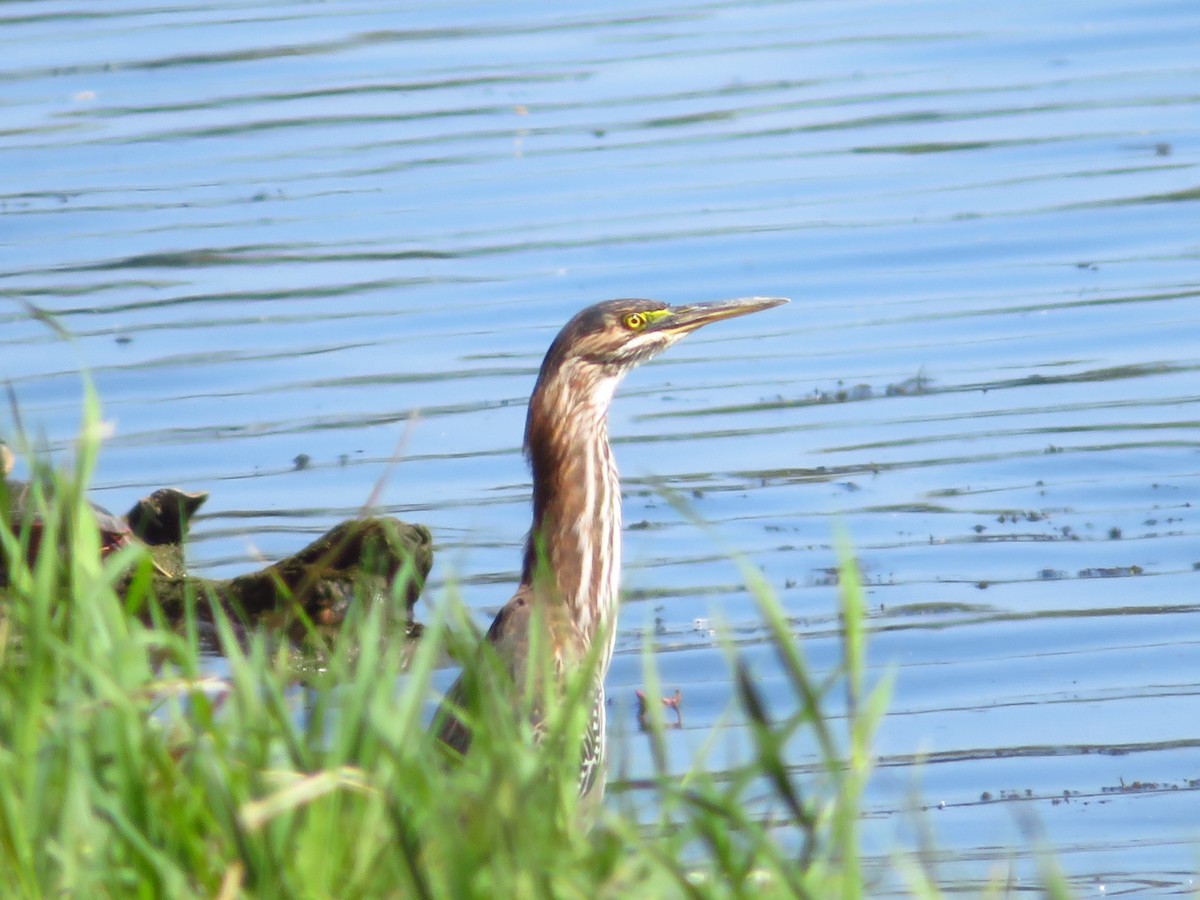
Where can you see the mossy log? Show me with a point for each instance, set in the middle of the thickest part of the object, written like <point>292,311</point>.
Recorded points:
<point>380,560</point>
<point>377,560</point>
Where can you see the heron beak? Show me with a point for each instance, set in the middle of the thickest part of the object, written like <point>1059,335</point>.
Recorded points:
<point>685,319</point>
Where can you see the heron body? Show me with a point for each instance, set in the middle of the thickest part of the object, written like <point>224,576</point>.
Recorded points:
<point>571,572</point>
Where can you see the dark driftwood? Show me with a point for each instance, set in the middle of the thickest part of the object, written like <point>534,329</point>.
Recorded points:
<point>359,559</point>
<point>369,558</point>
<point>378,560</point>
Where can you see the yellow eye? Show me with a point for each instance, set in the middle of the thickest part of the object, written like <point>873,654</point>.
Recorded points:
<point>634,321</point>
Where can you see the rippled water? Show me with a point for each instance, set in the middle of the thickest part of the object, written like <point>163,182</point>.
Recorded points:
<point>282,228</point>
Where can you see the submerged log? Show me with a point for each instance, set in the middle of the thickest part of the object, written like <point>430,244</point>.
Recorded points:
<point>376,560</point>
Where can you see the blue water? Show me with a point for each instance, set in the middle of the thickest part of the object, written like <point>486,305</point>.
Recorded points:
<point>285,228</point>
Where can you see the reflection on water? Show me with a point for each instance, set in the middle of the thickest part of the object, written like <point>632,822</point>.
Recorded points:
<point>284,230</point>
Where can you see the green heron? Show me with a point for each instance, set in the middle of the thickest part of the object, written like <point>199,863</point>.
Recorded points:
<point>570,579</point>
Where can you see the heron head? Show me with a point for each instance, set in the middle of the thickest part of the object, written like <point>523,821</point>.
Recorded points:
<point>616,335</point>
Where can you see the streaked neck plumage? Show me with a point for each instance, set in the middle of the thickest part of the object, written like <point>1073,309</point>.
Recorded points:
<point>576,532</point>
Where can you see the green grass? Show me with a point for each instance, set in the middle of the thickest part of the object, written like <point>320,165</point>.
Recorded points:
<point>123,777</point>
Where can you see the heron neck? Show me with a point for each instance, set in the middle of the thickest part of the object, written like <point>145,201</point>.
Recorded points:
<point>576,535</point>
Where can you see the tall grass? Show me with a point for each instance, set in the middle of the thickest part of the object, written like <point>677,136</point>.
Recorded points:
<point>125,771</point>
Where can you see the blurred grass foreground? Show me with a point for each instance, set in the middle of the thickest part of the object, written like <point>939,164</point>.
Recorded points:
<point>128,769</point>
